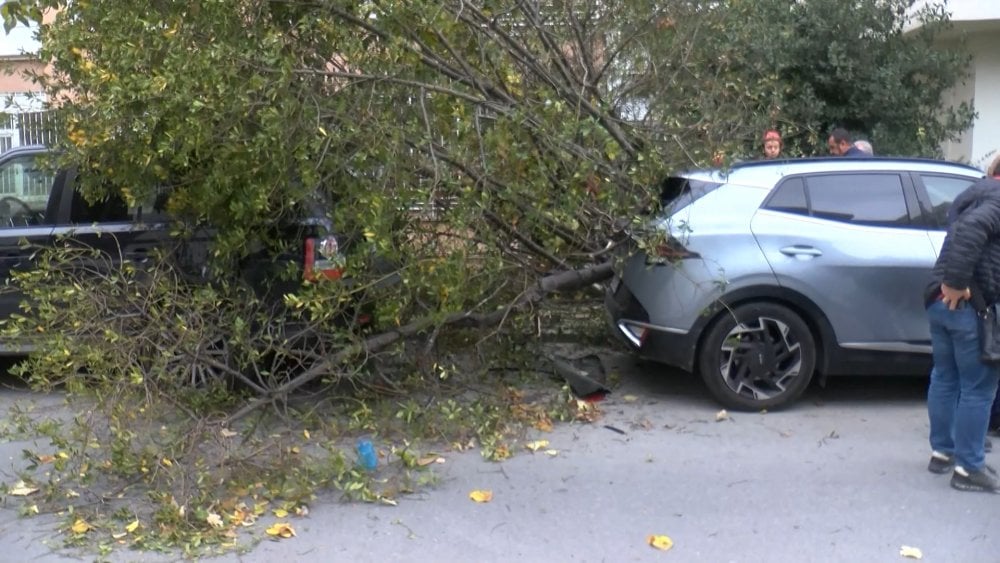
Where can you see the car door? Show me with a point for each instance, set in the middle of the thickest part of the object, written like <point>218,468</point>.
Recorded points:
<point>849,242</point>
<point>26,215</point>
<point>109,225</point>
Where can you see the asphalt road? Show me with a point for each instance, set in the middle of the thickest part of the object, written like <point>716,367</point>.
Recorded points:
<point>840,477</point>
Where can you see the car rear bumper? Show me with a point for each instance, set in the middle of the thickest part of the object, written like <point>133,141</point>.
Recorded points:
<point>629,322</point>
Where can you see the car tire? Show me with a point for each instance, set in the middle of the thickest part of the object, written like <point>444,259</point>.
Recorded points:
<point>757,356</point>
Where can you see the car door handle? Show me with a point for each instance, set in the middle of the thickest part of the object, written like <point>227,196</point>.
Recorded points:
<point>801,251</point>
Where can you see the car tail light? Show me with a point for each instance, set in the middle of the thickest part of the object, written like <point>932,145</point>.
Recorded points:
<point>323,259</point>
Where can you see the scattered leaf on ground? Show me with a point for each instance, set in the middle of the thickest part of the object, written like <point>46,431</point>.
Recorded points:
<point>281,530</point>
<point>80,526</point>
<point>587,412</point>
<point>911,552</point>
<point>545,425</point>
<point>429,459</point>
<point>227,433</point>
<point>644,424</point>
<point>481,496</point>
<point>388,501</point>
<point>630,398</point>
<point>552,453</point>
<point>500,452</point>
<point>22,489</point>
<point>660,542</point>
<point>280,512</point>
<point>721,415</point>
<point>132,527</point>
<point>43,459</point>
<point>537,445</point>
<point>214,520</point>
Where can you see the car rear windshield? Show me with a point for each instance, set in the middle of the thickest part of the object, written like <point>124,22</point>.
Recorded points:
<point>678,192</point>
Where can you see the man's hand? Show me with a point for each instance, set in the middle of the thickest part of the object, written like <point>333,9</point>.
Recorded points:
<point>952,297</point>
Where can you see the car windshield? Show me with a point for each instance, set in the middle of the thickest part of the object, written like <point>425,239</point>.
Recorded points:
<point>677,192</point>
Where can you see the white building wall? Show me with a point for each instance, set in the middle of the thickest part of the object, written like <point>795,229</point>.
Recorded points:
<point>978,22</point>
<point>973,10</point>
<point>986,130</point>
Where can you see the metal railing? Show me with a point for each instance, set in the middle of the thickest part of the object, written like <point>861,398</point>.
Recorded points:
<point>20,129</point>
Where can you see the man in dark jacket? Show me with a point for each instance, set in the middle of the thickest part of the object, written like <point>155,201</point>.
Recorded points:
<point>840,144</point>
<point>962,388</point>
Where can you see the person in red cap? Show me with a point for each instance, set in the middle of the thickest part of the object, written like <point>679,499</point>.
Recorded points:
<point>772,144</point>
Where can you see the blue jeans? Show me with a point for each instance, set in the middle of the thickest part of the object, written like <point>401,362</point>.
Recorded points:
<point>962,388</point>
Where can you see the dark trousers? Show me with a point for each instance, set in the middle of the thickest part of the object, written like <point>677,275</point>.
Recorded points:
<point>995,412</point>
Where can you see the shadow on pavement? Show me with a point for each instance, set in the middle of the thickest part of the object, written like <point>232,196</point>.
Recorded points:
<point>655,381</point>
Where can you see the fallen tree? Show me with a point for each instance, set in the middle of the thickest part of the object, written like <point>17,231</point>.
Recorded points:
<point>488,151</point>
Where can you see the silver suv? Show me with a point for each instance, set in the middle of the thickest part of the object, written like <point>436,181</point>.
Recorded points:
<point>759,276</point>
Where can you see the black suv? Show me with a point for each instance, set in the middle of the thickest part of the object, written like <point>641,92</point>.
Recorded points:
<point>39,207</point>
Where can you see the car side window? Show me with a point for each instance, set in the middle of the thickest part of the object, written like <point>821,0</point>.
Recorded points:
<point>110,209</point>
<point>790,197</point>
<point>864,199</point>
<point>942,191</point>
<point>25,188</point>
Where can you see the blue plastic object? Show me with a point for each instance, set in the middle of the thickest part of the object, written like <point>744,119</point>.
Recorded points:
<point>366,455</point>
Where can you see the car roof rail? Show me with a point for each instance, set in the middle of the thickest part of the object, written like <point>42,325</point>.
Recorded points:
<point>823,159</point>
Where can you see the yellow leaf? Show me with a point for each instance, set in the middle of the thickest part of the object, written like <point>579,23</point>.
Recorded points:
<point>429,459</point>
<point>227,433</point>
<point>132,527</point>
<point>552,453</point>
<point>63,455</point>
<point>630,398</point>
<point>911,552</point>
<point>660,542</point>
<point>80,526</point>
<point>481,496</point>
<point>167,462</point>
<point>545,425</point>
<point>281,530</point>
<point>21,489</point>
<point>305,434</point>
<point>119,535</point>
<point>537,445</point>
<point>214,520</point>
<point>280,512</point>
